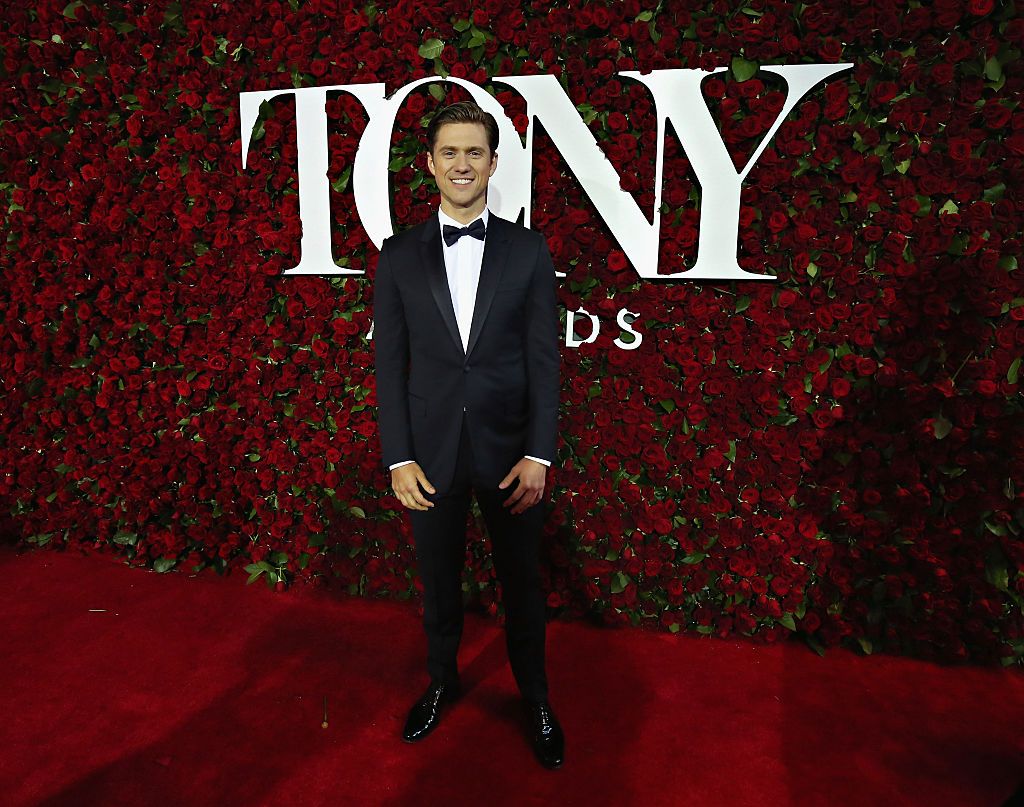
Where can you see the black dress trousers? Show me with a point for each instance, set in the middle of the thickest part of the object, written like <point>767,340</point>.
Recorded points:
<point>439,534</point>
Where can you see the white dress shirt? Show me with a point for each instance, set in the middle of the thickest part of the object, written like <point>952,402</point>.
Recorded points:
<point>462,261</point>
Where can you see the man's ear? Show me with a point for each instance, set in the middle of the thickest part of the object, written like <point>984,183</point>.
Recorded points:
<point>494,164</point>
<point>430,164</point>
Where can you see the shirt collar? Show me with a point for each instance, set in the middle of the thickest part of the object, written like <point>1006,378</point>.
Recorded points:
<point>444,219</point>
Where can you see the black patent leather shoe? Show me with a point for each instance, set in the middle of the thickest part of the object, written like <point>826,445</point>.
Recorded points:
<point>546,735</point>
<point>426,712</point>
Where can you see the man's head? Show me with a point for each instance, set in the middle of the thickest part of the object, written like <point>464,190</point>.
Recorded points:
<point>462,141</point>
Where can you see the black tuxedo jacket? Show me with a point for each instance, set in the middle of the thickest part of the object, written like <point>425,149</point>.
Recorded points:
<point>507,379</point>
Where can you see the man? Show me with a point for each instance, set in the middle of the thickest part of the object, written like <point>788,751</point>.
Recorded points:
<point>466,346</point>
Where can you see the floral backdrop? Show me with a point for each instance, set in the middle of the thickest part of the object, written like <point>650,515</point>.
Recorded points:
<point>833,455</point>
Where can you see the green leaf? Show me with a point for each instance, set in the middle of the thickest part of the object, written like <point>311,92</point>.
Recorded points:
<point>997,574</point>
<point>619,582</point>
<point>942,427</point>
<point>865,644</point>
<point>70,8</point>
<point>995,193</point>
<point>993,70</point>
<point>696,557</point>
<point>949,207</point>
<point>342,182</point>
<point>957,244</point>
<point>742,69</point>
<point>668,404</point>
<point>1011,374</point>
<point>587,112</point>
<point>995,529</point>
<point>163,564</point>
<point>743,303</point>
<point>786,620</point>
<point>431,49</point>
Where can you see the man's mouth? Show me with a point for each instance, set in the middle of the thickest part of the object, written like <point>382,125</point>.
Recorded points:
<point>462,181</point>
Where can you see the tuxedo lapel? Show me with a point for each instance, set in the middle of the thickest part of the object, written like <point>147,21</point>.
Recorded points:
<point>495,256</point>
<point>432,261</point>
<point>493,262</point>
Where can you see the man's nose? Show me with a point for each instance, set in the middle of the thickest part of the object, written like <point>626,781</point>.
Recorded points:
<point>462,163</point>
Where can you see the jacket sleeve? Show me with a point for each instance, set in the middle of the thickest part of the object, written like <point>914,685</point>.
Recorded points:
<point>543,358</point>
<point>391,358</point>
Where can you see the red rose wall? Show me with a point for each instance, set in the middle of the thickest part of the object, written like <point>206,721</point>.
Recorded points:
<point>834,454</point>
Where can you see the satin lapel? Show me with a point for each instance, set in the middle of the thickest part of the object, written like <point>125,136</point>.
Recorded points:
<point>495,256</point>
<point>432,260</point>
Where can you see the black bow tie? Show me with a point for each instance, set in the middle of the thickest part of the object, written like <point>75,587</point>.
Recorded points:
<point>453,234</point>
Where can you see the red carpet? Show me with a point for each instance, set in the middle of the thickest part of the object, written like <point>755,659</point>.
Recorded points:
<point>205,691</point>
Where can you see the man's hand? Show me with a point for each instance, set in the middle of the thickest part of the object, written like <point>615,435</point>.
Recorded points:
<point>531,476</point>
<point>405,482</point>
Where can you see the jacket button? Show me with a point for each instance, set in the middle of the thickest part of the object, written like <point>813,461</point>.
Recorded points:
<point>466,368</point>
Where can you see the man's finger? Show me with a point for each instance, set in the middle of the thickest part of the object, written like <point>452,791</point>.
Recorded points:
<point>530,501</point>
<point>413,500</point>
<point>425,482</point>
<point>527,502</point>
<point>419,494</point>
<point>507,480</point>
<point>517,494</point>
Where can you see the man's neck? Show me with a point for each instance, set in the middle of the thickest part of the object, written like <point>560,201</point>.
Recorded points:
<point>463,215</point>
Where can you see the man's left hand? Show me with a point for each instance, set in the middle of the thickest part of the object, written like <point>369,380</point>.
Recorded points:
<point>531,475</point>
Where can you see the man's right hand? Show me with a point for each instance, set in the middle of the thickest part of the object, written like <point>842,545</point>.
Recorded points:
<point>405,482</point>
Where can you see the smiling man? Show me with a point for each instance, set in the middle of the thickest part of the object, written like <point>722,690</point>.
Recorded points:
<point>467,361</point>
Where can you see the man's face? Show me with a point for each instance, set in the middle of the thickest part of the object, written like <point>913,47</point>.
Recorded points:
<point>462,164</point>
